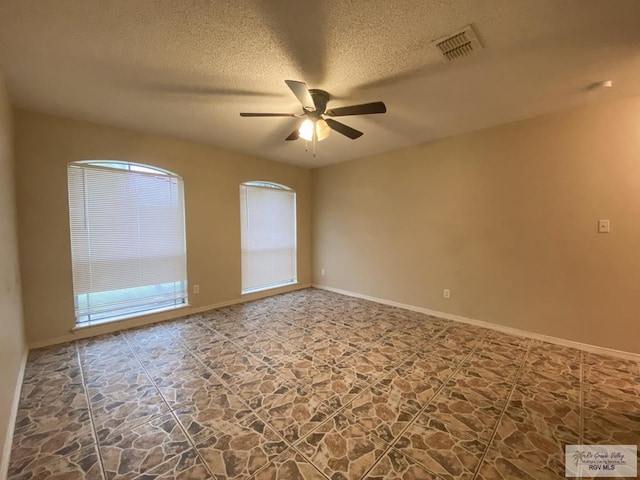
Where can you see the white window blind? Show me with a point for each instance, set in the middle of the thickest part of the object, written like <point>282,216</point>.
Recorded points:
<point>268,216</point>
<point>127,241</point>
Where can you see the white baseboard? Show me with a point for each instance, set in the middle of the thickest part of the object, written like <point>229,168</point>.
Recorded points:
<point>479,323</point>
<point>8,441</point>
<point>105,328</point>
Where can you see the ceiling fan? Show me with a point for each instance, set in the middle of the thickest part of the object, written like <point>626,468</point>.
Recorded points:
<point>314,107</point>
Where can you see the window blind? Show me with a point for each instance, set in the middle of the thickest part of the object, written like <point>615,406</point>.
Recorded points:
<point>127,241</point>
<point>268,217</point>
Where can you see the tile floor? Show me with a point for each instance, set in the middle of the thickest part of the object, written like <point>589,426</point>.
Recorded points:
<point>315,385</point>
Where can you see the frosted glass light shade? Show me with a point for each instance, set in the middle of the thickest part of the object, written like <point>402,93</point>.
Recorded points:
<point>322,130</point>
<point>306,130</point>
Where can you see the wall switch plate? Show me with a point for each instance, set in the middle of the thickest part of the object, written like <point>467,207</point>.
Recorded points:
<point>604,226</point>
<point>196,289</point>
<point>322,272</point>
<point>446,293</point>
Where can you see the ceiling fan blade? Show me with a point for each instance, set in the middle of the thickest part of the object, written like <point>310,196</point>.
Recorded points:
<point>301,92</point>
<point>293,135</point>
<point>345,130</point>
<point>364,109</point>
<point>268,115</point>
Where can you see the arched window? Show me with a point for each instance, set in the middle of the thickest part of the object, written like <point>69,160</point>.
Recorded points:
<point>127,240</point>
<point>268,218</point>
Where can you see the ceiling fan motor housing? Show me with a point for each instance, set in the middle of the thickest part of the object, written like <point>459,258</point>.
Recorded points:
<point>320,99</point>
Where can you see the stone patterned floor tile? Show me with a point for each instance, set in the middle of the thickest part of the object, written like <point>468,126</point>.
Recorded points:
<point>478,389</point>
<point>192,331</point>
<point>237,332</point>
<point>327,351</point>
<point>141,449</point>
<point>611,427</point>
<point>267,349</point>
<point>342,449</point>
<point>311,385</point>
<point>103,348</point>
<point>174,364</point>
<point>371,364</point>
<point>330,330</point>
<point>358,339</point>
<point>457,339</point>
<point>299,370</point>
<point>233,364</point>
<point>502,353</point>
<point>490,368</point>
<point>51,417</point>
<point>208,351</point>
<point>553,419</point>
<point>397,466</point>
<point>530,444</point>
<point>522,461</point>
<point>258,386</point>
<point>51,355</point>
<point>32,450</point>
<point>120,411</point>
<point>441,356</point>
<point>338,382</point>
<point>295,412</point>
<point>289,466</point>
<point>295,334</point>
<point>186,466</point>
<point>80,465</point>
<point>462,413</point>
<point>618,376</point>
<point>608,363</point>
<point>383,410</point>
<point>519,427</point>
<point>42,399</point>
<point>217,409</point>
<point>55,373</point>
<point>412,382</point>
<point>400,347</point>
<point>149,337</point>
<point>596,397</point>
<point>553,359</point>
<point>394,354</point>
<point>497,337</point>
<point>241,452</point>
<point>188,387</point>
<point>564,388</point>
<point>445,451</point>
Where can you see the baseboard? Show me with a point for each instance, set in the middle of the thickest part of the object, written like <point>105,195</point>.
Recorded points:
<point>8,441</point>
<point>105,328</point>
<point>479,323</point>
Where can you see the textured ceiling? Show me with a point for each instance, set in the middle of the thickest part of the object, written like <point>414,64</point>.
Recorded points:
<point>187,68</point>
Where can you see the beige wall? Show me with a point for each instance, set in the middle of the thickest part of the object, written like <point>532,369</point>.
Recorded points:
<point>504,217</point>
<point>45,144</point>
<point>12,345</point>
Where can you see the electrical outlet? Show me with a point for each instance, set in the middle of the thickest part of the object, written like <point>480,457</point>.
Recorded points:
<point>196,289</point>
<point>446,293</point>
<point>322,272</point>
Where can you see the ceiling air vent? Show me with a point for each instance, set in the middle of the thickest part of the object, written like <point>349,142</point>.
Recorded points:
<point>459,44</point>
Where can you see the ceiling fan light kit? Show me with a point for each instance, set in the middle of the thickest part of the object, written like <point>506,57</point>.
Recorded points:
<point>315,126</point>
<point>310,128</point>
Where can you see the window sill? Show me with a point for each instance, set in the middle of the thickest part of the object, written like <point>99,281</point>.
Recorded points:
<point>94,323</point>
<point>269,287</point>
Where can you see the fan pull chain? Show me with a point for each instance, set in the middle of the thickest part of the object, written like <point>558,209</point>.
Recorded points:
<point>306,146</point>
<point>314,140</point>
